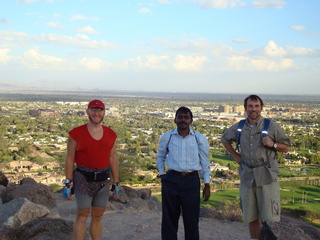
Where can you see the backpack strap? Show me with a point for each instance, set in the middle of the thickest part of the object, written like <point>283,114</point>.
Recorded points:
<point>239,130</point>
<point>167,147</point>
<point>264,132</point>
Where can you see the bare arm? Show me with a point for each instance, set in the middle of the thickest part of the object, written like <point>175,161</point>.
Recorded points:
<point>114,164</point>
<point>281,147</point>
<point>70,159</point>
<point>236,156</point>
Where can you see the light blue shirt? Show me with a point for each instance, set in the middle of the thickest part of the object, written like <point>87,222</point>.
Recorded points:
<point>184,154</point>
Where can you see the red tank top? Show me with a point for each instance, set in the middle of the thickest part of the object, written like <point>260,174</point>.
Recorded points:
<point>93,153</point>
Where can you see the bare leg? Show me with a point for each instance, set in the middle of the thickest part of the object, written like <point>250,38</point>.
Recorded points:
<point>96,222</point>
<point>255,228</point>
<point>79,228</point>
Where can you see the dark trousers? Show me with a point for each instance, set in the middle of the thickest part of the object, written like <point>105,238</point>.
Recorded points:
<point>180,194</point>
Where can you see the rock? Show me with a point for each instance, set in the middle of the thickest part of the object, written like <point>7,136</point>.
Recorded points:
<point>2,189</point>
<point>19,211</point>
<point>34,192</point>
<point>131,193</point>
<point>210,213</point>
<point>45,229</point>
<point>3,179</point>
<point>138,204</point>
<point>145,193</point>
<point>5,233</point>
<point>27,180</point>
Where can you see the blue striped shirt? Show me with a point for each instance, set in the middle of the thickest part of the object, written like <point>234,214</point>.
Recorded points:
<point>184,154</point>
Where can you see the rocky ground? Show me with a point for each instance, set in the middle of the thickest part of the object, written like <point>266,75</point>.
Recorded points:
<point>129,224</point>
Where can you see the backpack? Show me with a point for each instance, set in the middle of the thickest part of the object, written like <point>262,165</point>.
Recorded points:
<point>264,132</point>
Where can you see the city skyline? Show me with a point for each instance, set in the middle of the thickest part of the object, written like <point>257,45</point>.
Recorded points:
<point>210,46</point>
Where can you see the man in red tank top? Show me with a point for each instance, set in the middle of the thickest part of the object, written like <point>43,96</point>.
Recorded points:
<point>91,147</point>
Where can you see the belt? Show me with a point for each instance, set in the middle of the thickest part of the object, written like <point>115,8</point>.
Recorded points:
<point>184,174</point>
<point>254,166</point>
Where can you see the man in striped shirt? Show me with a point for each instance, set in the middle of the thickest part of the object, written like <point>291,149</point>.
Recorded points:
<point>185,154</point>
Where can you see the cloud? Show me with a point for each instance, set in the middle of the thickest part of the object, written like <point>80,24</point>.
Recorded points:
<point>298,28</point>
<point>272,50</point>
<point>149,62</point>
<point>4,57</point>
<point>54,25</point>
<point>4,21</point>
<point>219,3</point>
<point>144,10</point>
<point>242,63</point>
<point>278,4</point>
<point>94,64</point>
<point>33,59</point>
<point>87,29</point>
<point>189,63</point>
<point>80,17</point>
<point>78,41</point>
<point>240,40</point>
<point>164,1</point>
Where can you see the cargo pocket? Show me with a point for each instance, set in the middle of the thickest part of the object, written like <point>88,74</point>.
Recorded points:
<point>275,207</point>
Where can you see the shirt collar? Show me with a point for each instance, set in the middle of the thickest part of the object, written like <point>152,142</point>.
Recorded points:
<point>191,132</point>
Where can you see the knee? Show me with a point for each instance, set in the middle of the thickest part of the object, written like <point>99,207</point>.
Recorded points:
<point>82,216</point>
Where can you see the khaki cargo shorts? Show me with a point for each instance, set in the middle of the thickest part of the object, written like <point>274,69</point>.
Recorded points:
<point>260,202</point>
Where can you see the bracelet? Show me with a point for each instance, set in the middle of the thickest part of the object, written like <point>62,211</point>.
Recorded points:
<point>116,184</point>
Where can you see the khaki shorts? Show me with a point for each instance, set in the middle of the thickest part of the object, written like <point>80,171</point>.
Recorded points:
<point>260,202</point>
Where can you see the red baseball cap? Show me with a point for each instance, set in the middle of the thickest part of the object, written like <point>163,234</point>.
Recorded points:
<point>96,104</point>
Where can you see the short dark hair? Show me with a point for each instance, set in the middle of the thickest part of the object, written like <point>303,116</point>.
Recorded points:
<point>253,97</point>
<point>184,110</point>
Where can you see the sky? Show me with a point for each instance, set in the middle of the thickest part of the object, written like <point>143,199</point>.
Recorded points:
<point>203,46</point>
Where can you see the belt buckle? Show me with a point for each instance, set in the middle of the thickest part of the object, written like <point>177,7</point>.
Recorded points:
<point>95,175</point>
<point>184,174</point>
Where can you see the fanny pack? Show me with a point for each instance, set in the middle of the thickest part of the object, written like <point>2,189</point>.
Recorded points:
<point>95,176</point>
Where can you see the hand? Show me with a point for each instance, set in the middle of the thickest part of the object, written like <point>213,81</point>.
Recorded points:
<point>68,191</point>
<point>267,141</point>
<point>206,192</point>
<point>116,189</point>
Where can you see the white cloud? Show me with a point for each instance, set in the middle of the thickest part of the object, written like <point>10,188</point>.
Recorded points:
<point>240,40</point>
<point>219,3</point>
<point>164,1</point>
<point>78,41</point>
<point>144,10</point>
<point>241,63</point>
<point>94,64</point>
<point>54,25</point>
<point>87,29</point>
<point>80,17</point>
<point>297,27</point>
<point>278,4</point>
<point>189,63</point>
<point>4,57</point>
<point>149,62</point>
<point>33,59</point>
<point>272,50</point>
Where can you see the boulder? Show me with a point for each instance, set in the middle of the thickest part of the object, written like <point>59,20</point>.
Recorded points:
<point>140,205</point>
<point>45,229</point>
<point>210,213</point>
<point>3,179</point>
<point>145,193</point>
<point>33,191</point>
<point>130,192</point>
<point>19,211</point>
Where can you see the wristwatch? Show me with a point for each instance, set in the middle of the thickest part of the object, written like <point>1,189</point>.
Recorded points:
<point>67,181</point>
<point>275,145</point>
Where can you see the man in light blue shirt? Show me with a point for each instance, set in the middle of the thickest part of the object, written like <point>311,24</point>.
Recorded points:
<point>185,154</point>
